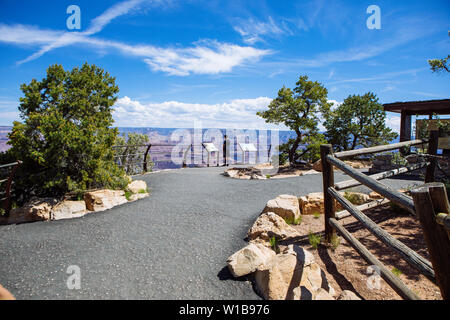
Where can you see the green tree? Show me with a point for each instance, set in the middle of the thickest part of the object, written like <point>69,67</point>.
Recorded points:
<point>359,121</point>
<point>66,136</point>
<point>299,110</point>
<point>438,65</point>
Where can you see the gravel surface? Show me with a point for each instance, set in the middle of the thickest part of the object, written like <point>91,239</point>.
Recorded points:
<point>171,245</point>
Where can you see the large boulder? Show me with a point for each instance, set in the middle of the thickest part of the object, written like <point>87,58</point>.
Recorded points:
<point>104,199</point>
<point>248,259</point>
<point>313,203</point>
<point>270,225</point>
<point>291,275</point>
<point>137,186</point>
<point>37,209</point>
<point>68,209</point>
<point>286,206</point>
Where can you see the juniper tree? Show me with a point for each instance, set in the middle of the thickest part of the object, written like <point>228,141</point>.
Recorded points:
<point>299,110</point>
<point>66,135</point>
<point>358,121</point>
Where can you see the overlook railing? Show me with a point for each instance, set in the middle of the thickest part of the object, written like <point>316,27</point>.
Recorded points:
<point>428,203</point>
<point>142,158</point>
<point>5,195</point>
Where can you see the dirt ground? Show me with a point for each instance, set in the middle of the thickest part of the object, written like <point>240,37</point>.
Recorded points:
<point>346,270</point>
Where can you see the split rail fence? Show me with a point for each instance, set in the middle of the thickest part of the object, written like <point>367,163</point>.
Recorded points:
<point>429,203</point>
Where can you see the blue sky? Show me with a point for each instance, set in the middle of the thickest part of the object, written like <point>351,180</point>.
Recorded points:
<point>221,61</point>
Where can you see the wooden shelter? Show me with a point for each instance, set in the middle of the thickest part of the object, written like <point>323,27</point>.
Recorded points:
<point>411,108</point>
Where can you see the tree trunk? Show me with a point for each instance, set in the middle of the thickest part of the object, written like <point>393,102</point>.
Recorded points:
<point>294,148</point>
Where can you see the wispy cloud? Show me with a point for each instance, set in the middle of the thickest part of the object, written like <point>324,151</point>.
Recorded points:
<point>97,24</point>
<point>253,31</point>
<point>380,77</point>
<point>203,57</point>
<point>120,9</point>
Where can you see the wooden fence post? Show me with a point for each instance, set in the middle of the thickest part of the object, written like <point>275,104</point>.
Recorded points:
<point>432,150</point>
<point>430,200</point>
<point>328,181</point>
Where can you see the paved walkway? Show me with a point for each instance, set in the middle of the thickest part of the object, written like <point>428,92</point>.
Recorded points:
<point>172,245</point>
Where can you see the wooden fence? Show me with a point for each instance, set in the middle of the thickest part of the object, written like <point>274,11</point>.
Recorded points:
<point>429,203</point>
<point>6,195</point>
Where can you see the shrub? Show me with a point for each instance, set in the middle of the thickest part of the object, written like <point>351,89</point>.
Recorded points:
<point>66,137</point>
<point>396,272</point>
<point>353,198</point>
<point>314,240</point>
<point>294,221</point>
<point>274,244</point>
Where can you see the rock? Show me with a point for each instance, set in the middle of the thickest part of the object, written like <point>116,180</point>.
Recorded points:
<point>257,177</point>
<point>313,203</point>
<point>357,164</point>
<point>312,171</point>
<point>232,173</point>
<point>317,165</point>
<point>68,209</point>
<point>37,209</point>
<point>138,196</point>
<point>104,199</point>
<point>291,275</point>
<point>375,196</point>
<point>286,206</point>
<point>248,259</point>
<point>348,295</point>
<point>268,225</point>
<point>322,294</point>
<point>137,186</point>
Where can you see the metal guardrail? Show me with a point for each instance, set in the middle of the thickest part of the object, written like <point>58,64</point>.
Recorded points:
<point>7,198</point>
<point>330,159</point>
<point>148,151</point>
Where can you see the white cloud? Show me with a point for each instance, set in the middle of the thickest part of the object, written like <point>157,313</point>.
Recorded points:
<point>238,113</point>
<point>234,114</point>
<point>211,58</point>
<point>204,57</point>
<point>253,31</point>
<point>393,122</point>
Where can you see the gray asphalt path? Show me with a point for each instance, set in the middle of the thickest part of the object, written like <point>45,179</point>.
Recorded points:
<point>172,245</point>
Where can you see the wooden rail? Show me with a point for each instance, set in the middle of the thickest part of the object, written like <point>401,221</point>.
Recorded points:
<point>7,199</point>
<point>428,205</point>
